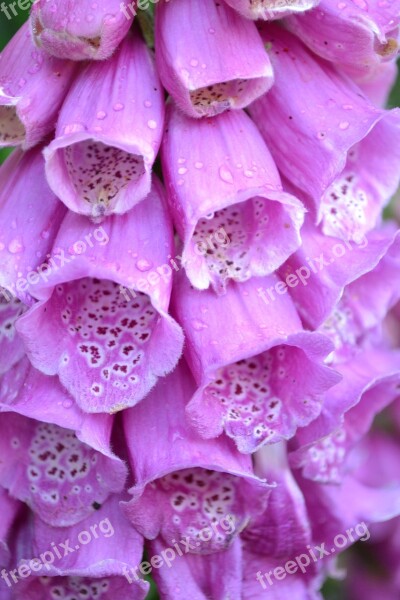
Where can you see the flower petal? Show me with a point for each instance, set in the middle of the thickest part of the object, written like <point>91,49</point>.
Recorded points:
<point>226,199</point>
<point>356,35</point>
<point>26,233</point>
<point>33,87</point>
<point>107,344</point>
<point>258,387</point>
<point>217,577</point>
<point>108,133</point>
<point>271,9</point>
<point>61,478</point>
<point>355,146</point>
<point>78,30</point>
<point>107,547</point>
<point>185,484</point>
<point>208,57</point>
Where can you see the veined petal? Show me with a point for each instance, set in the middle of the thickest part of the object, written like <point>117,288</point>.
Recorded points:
<point>33,86</point>
<point>208,57</point>
<point>355,146</point>
<point>283,530</point>
<point>62,479</point>
<point>79,30</point>
<point>108,344</point>
<point>21,388</point>
<point>262,384</point>
<point>371,381</point>
<point>324,266</point>
<point>185,485</point>
<point>271,9</point>
<point>226,199</point>
<point>217,577</point>
<point>299,586</point>
<point>356,35</point>
<point>27,232</point>
<point>375,487</point>
<point>100,550</point>
<point>377,85</point>
<point>108,133</point>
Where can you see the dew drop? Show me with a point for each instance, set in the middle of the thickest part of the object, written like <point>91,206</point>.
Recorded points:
<point>152,124</point>
<point>143,265</point>
<point>344,125</point>
<point>15,246</point>
<point>198,165</point>
<point>118,106</point>
<point>225,175</point>
<point>101,115</point>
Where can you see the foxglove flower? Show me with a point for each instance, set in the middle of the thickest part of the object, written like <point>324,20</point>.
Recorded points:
<point>324,265</point>
<point>355,146</point>
<point>262,385</point>
<point>86,560</point>
<point>108,134</point>
<point>22,386</point>
<point>26,233</point>
<point>187,486</point>
<point>26,237</point>
<point>108,344</point>
<point>79,30</point>
<point>61,478</point>
<point>240,223</point>
<point>271,9</point>
<point>33,86</point>
<point>358,36</point>
<point>209,59</point>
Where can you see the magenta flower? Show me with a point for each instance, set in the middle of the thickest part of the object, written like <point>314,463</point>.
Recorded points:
<point>27,115</point>
<point>358,36</point>
<point>228,281</point>
<point>349,180</point>
<point>78,30</point>
<point>258,388</point>
<point>271,9</point>
<point>101,158</point>
<point>108,344</point>
<point>216,65</point>
<point>240,224</point>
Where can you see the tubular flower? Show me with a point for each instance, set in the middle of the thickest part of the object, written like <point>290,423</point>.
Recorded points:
<point>108,134</point>
<point>358,36</point>
<point>259,387</point>
<point>218,65</point>
<point>199,231</point>
<point>271,9</point>
<point>240,224</point>
<point>78,30</point>
<point>107,338</point>
<point>355,146</point>
<point>27,114</point>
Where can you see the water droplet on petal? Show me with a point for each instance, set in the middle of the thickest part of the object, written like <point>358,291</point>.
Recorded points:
<point>225,175</point>
<point>198,325</point>
<point>152,124</point>
<point>15,246</point>
<point>143,265</point>
<point>344,125</point>
<point>101,115</point>
<point>198,165</point>
<point>118,106</point>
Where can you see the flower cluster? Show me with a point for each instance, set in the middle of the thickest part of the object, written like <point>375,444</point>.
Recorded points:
<point>199,300</point>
